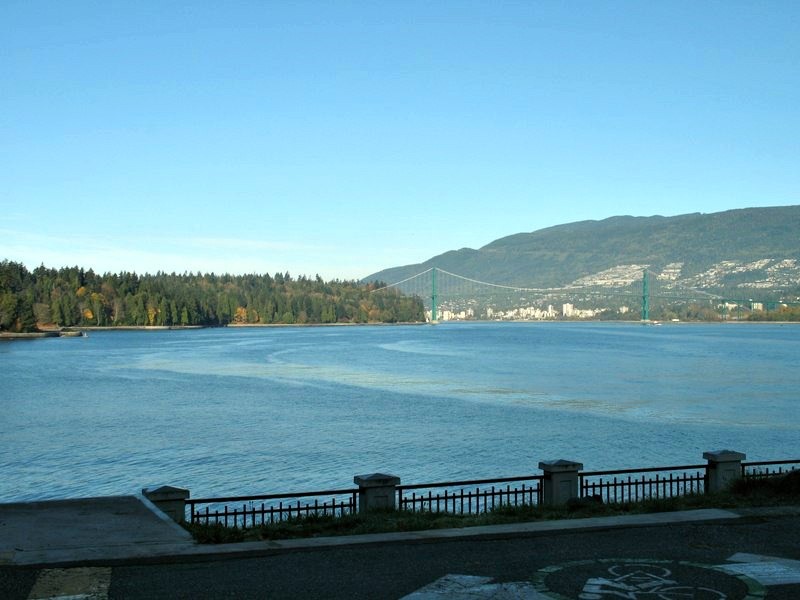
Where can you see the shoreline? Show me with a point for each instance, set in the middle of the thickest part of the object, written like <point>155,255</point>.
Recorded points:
<point>79,331</point>
<point>75,332</point>
<point>137,327</point>
<point>33,335</point>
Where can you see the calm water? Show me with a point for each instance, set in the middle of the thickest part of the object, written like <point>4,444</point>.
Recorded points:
<point>238,411</point>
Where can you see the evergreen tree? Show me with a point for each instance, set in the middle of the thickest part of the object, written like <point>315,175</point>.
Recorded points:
<point>71,296</point>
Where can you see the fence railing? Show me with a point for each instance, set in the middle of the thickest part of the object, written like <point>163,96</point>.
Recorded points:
<point>561,481</point>
<point>470,497</point>
<point>768,468</point>
<point>251,511</point>
<point>633,485</point>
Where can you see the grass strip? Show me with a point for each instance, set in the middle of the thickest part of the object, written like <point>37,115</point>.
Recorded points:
<point>770,491</point>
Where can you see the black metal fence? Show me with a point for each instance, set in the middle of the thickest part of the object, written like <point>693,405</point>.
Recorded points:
<point>633,485</point>
<point>251,511</point>
<point>768,468</point>
<point>470,497</point>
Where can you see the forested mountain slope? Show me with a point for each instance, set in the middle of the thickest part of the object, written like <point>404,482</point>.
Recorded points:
<point>754,246</point>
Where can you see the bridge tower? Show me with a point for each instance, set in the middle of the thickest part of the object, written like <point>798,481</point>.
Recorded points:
<point>645,297</point>
<point>433,296</point>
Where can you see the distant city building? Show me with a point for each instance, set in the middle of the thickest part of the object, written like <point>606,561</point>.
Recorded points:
<point>461,315</point>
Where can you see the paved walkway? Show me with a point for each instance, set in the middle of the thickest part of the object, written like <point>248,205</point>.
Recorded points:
<point>131,530</point>
<point>96,534</point>
<point>87,531</point>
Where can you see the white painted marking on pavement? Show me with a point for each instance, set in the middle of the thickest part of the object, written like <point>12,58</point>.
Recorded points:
<point>766,573</point>
<point>86,583</point>
<point>473,587</point>
<point>744,557</point>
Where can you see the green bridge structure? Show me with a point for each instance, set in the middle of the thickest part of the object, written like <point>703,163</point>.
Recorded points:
<point>450,296</point>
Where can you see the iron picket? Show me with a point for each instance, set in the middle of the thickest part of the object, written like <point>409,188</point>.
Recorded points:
<point>458,497</point>
<point>664,483</point>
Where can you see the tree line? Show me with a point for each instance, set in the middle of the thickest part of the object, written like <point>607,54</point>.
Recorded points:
<point>74,297</point>
<point>782,313</point>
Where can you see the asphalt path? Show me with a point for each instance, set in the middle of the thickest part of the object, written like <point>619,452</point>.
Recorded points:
<point>632,562</point>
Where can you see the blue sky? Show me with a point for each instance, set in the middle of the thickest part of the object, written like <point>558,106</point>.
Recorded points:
<point>341,138</point>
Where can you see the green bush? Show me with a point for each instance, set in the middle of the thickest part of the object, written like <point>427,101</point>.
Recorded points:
<point>215,533</point>
<point>784,486</point>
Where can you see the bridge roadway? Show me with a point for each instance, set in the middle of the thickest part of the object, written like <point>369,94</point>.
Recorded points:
<point>121,548</point>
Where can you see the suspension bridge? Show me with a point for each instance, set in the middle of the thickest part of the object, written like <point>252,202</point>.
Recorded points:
<point>449,296</point>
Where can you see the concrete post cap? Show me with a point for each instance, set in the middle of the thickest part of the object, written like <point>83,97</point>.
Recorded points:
<point>165,492</point>
<point>376,480</point>
<point>555,466</point>
<point>724,455</point>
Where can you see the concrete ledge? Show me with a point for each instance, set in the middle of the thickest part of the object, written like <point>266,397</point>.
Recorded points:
<point>242,549</point>
<point>511,529</point>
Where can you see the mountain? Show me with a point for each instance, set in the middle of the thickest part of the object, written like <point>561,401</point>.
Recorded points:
<point>744,248</point>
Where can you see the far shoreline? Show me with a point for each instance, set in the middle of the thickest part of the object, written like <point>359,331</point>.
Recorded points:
<point>78,331</point>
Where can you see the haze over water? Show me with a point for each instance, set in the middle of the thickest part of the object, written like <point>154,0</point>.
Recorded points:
<point>240,411</point>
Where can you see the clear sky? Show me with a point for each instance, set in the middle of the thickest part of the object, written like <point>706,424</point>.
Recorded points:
<point>341,138</point>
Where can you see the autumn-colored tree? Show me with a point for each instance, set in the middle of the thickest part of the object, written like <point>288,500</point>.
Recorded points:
<point>72,296</point>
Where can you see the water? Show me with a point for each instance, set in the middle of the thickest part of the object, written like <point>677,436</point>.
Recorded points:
<point>246,411</point>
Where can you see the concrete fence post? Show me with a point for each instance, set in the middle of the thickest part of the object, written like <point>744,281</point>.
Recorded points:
<point>724,467</point>
<point>561,481</point>
<point>169,500</point>
<point>376,491</point>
